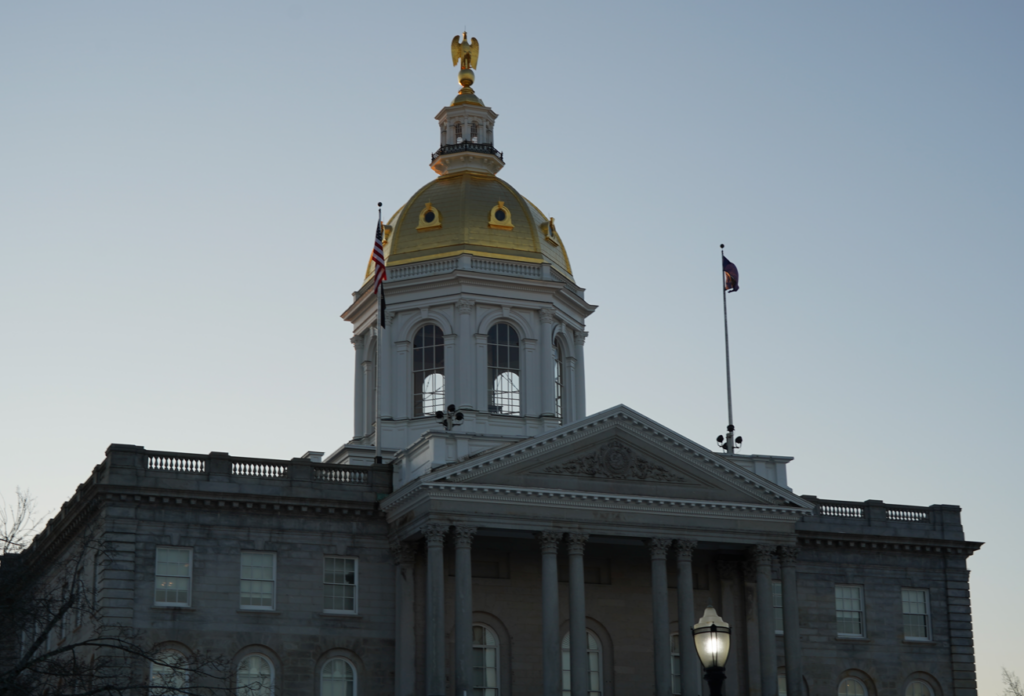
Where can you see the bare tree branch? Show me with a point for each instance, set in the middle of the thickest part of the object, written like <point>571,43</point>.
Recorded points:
<point>1011,684</point>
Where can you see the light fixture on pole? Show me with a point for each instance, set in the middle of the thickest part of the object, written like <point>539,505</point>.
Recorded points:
<point>711,637</point>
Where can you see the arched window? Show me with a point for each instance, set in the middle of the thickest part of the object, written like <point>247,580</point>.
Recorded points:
<point>559,383</point>
<point>919,688</point>
<point>255,676</point>
<point>677,667</point>
<point>167,674</point>
<point>503,369</point>
<point>428,371</point>
<point>595,687</point>
<point>338,678</point>
<point>852,687</point>
<point>485,661</point>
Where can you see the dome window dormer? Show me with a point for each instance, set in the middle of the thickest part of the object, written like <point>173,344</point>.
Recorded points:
<point>501,217</point>
<point>430,218</point>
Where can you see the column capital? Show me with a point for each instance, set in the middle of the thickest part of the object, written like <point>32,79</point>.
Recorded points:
<point>580,337</point>
<point>658,548</point>
<point>788,554</point>
<point>358,341</point>
<point>402,551</point>
<point>549,541</point>
<point>762,554</point>
<point>434,533</point>
<point>577,540</point>
<point>547,315</point>
<point>465,306</point>
<point>684,549</point>
<point>464,537</point>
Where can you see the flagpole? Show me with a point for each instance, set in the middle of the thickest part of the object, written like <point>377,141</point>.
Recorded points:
<point>729,445</point>
<point>376,376</point>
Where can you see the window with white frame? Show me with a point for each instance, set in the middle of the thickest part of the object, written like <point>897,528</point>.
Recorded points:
<point>338,678</point>
<point>167,674</point>
<point>173,577</point>
<point>258,577</point>
<point>485,661</point>
<point>428,371</point>
<point>916,620</point>
<point>255,676</point>
<point>919,688</point>
<point>503,370</point>
<point>559,382</point>
<point>777,606</point>
<point>341,585</point>
<point>852,687</point>
<point>595,685</point>
<point>850,611</point>
<point>676,667</point>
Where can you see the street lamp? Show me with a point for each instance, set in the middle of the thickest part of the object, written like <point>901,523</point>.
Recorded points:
<point>711,636</point>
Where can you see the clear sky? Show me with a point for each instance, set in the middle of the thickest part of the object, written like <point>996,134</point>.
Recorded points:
<point>188,193</point>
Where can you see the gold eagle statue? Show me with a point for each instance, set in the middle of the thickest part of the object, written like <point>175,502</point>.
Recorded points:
<point>467,52</point>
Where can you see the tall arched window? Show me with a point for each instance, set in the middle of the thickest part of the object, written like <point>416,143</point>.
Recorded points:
<point>166,673</point>
<point>919,688</point>
<point>559,383</point>
<point>338,678</point>
<point>485,661</point>
<point>503,369</point>
<point>428,371</point>
<point>852,687</point>
<point>595,687</point>
<point>255,676</point>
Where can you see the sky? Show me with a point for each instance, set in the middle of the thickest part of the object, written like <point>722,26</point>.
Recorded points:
<point>188,193</point>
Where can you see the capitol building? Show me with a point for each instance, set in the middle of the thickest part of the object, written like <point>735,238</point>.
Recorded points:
<point>521,545</point>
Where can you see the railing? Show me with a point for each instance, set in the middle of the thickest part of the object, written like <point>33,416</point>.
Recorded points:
<point>505,268</point>
<point>907,514</point>
<point>257,469</point>
<point>467,146</point>
<point>423,269</point>
<point>338,475</point>
<point>841,509</point>
<point>172,461</point>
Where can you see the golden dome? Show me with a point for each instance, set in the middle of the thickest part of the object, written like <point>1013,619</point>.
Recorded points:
<point>472,213</point>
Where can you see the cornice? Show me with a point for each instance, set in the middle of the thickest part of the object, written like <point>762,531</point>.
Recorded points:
<point>875,544</point>
<point>397,506</point>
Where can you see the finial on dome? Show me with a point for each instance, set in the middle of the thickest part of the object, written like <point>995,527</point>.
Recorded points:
<point>466,53</point>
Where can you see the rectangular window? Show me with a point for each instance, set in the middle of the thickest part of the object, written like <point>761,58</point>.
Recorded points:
<point>340,585</point>
<point>173,577</point>
<point>258,576</point>
<point>850,611</point>
<point>777,606</point>
<point>916,623</point>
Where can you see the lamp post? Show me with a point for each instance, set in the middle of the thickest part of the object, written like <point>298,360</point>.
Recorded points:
<point>711,636</point>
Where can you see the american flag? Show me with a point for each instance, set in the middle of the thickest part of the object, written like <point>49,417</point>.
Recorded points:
<point>378,258</point>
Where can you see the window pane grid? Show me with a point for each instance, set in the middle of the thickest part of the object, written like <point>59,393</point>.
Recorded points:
<point>257,581</point>
<point>593,664</point>
<point>337,678</point>
<point>915,614</point>
<point>428,371</point>
<point>254,676</point>
<point>173,576</point>
<point>340,584</point>
<point>558,381</point>
<point>503,369</point>
<point>777,605</point>
<point>849,611</point>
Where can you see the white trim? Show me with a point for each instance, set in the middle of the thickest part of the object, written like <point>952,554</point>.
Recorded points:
<point>157,576</point>
<point>273,581</point>
<point>927,616</point>
<point>861,610</point>
<point>351,665</point>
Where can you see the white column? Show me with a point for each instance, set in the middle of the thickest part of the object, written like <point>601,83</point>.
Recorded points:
<point>762,556</point>
<point>359,410</point>
<point>451,375</point>
<point>547,363</point>
<point>482,400</point>
<point>552,657</point>
<point>570,389</point>
<point>369,414</point>
<point>581,377</point>
<point>579,669</point>
<point>401,379</point>
<point>791,621</point>
<point>405,618</point>
<point>659,610</point>
<point>386,349</point>
<point>434,534</point>
<point>689,664</point>
<point>463,363</point>
<point>464,610</point>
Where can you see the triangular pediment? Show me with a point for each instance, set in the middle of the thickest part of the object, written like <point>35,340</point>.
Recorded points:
<point>619,453</point>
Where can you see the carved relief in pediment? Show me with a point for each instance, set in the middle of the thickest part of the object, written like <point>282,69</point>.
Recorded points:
<point>614,460</point>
